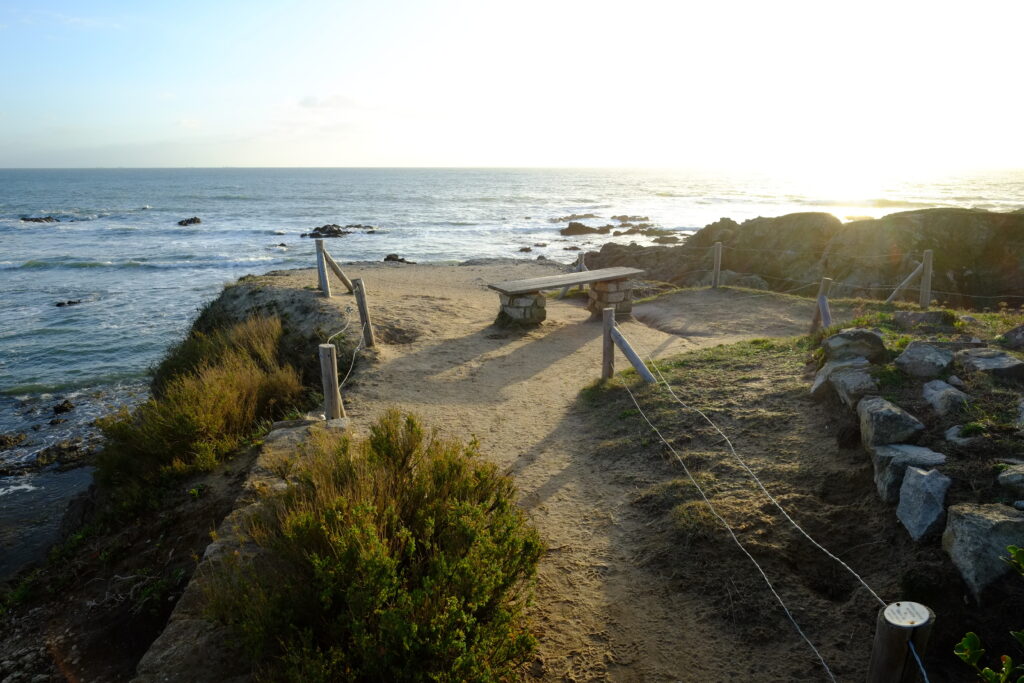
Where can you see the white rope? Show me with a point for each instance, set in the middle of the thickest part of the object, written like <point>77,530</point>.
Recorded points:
<point>732,533</point>
<point>760,484</point>
<point>920,664</point>
<point>352,363</point>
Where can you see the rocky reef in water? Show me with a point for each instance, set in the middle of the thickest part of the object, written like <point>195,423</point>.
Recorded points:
<point>975,254</point>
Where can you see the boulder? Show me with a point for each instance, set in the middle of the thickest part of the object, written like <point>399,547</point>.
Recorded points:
<point>329,230</point>
<point>11,439</point>
<point>1014,339</point>
<point>909,320</point>
<point>944,398</point>
<point>525,249</point>
<point>820,386</point>
<point>64,406</point>
<point>891,462</point>
<point>953,435</point>
<point>572,217</point>
<point>976,537</point>
<point>1012,479</point>
<point>395,258</point>
<point>923,360</point>
<point>992,362</point>
<point>69,302</point>
<point>43,219</point>
<point>852,384</point>
<point>922,505</point>
<point>882,422</point>
<point>854,342</point>
<point>625,219</point>
<point>190,221</point>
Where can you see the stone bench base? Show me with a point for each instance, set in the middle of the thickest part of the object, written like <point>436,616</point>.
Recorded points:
<point>522,309</point>
<point>617,294</point>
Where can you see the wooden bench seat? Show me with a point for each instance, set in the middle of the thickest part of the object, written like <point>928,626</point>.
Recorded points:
<point>522,301</point>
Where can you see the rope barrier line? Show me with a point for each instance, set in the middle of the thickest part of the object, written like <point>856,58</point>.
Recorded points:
<point>917,658</point>
<point>757,479</point>
<point>352,363</point>
<point>732,533</point>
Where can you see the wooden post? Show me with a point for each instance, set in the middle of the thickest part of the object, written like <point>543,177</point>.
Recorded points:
<point>716,278</point>
<point>337,271</point>
<point>333,407</point>
<point>903,285</point>
<point>364,313</point>
<point>631,356</point>
<point>899,624</point>
<point>607,345</point>
<point>926,280</point>
<point>321,269</point>
<point>821,309</point>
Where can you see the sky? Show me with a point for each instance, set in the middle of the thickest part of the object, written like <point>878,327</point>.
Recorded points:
<point>894,87</point>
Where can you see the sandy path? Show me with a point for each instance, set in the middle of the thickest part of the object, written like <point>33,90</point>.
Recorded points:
<point>600,615</point>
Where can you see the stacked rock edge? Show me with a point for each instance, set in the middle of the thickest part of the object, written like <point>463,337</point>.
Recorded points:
<point>192,647</point>
<point>976,537</point>
<point>617,294</point>
<point>526,309</point>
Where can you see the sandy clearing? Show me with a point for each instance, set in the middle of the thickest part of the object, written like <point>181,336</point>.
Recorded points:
<point>600,616</point>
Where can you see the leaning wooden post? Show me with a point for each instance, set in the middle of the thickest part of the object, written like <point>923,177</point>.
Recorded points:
<point>364,313</point>
<point>898,625</point>
<point>716,278</point>
<point>926,280</point>
<point>333,407</point>
<point>822,313</point>
<point>903,285</point>
<point>607,345</point>
<point>337,271</point>
<point>321,269</point>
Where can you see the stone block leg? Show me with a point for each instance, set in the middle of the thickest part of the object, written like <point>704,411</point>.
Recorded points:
<point>522,309</point>
<point>617,294</point>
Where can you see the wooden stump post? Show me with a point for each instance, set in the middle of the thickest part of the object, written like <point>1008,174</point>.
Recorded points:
<point>321,269</point>
<point>337,271</point>
<point>898,625</point>
<point>717,276</point>
<point>926,280</point>
<point>822,313</point>
<point>333,407</point>
<point>903,285</point>
<point>364,313</point>
<point>607,345</point>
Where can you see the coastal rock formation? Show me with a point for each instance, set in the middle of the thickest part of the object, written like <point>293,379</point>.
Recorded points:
<point>329,230</point>
<point>395,258</point>
<point>190,221</point>
<point>64,406</point>
<point>974,253</point>
<point>575,228</point>
<point>69,302</point>
<point>9,441</point>
<point>43,219</point>
<point>572,217</point>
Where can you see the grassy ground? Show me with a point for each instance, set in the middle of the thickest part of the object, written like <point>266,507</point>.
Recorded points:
<point>757,393</point>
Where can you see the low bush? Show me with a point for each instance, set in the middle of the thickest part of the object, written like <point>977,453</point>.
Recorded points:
<point>221,386</point>
<point>400,558</point>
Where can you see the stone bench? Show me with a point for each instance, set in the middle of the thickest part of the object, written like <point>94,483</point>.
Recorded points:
<point>522,300</point>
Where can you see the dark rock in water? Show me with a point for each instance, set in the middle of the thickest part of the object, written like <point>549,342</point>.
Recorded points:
<point>329,230</point>
<point>64,406</point>
<point>397,259</point>
<point>67,451</point>
<point>360,226</point>
<point>525,249</point>
<point>572,248</point>
<point>630,219</point>
<point>56,421</point>
<point>282,244</point>
<point>540,244</point>
<point>190,221</point>
<point>9,441</point>
<point>666,239</point>
<point>69,302</point>
<point>580,229</point>
<point>44,219</point>
<point>572,217</point>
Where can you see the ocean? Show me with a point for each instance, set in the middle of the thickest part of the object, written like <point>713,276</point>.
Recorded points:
<point>140,277</point>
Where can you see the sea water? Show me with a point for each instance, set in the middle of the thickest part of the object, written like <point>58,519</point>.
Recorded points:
<point>140,277</point>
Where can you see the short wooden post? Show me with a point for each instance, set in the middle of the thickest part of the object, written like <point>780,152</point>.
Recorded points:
<point>321,269</point>
<point>821,309</point>
<point>607,345</point>
<point>333,407</point>
<point>364,313</point>
<point>899,624</point>
<point>926,280</point>
<point>717,276</point>
<point>337,271</point>
<point>903,285</point>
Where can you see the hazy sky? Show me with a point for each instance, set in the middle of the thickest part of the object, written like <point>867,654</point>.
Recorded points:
<point>894,86</point>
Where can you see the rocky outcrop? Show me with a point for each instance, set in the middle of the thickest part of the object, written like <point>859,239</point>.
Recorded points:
<point>395,258</point>
<point>572,217</point>
<point>575,228</point>
<point>190,221</point>
<point>922,506</point>
<point>976,537</point>
<point>64,406</point>
<point>329,230</point>
<point>10,440</point>
<point>42,219</point>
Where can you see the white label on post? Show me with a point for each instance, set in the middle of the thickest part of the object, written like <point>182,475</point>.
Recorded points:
<point>907,614</point>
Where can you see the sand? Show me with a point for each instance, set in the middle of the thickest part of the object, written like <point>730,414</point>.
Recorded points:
<point>599,615</point>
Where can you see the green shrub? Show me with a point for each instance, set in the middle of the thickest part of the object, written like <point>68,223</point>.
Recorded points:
<point>402,558</point>
<point>222,385</point>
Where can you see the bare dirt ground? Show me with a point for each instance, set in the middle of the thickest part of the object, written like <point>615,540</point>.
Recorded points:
<point>601,613</point>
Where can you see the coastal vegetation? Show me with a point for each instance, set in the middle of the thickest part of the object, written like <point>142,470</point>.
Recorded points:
<point>399,557</point>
